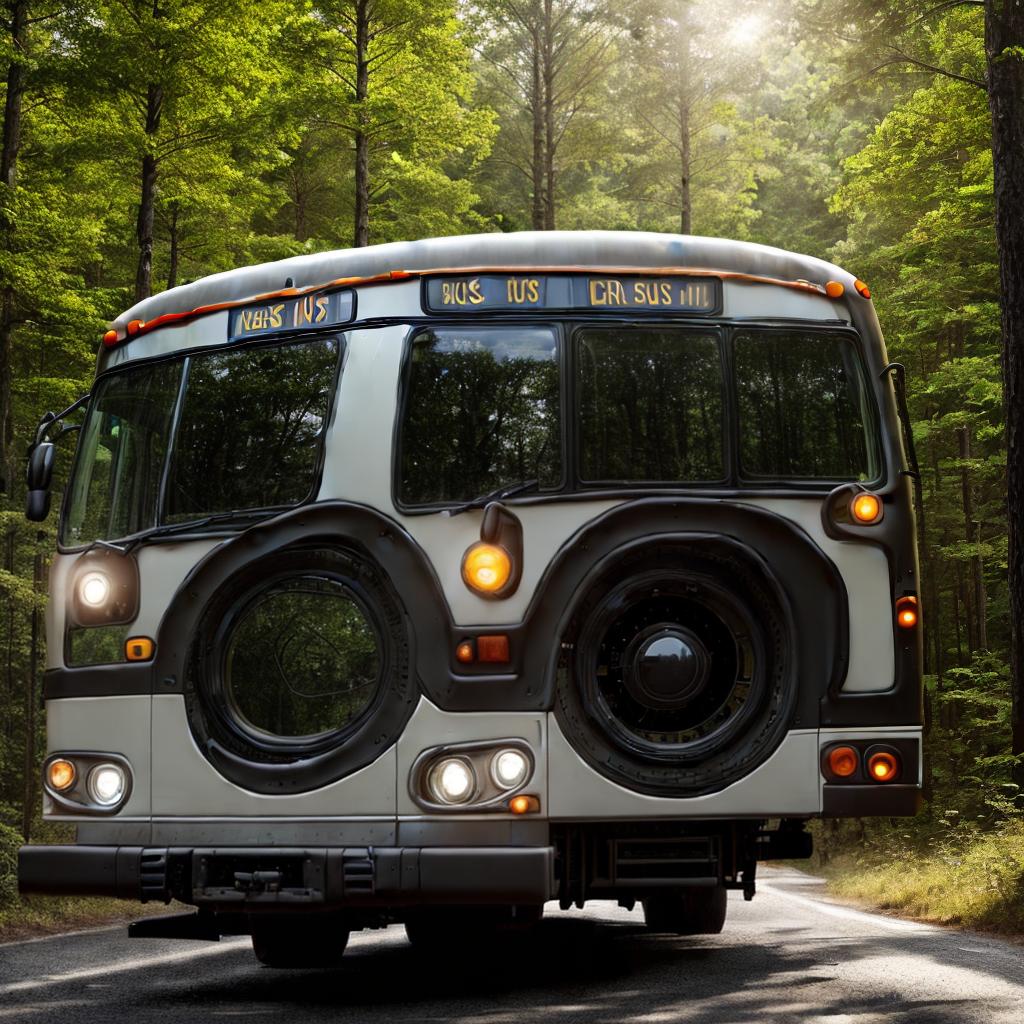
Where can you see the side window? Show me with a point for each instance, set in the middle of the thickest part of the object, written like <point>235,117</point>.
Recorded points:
<point>250,428</point>
<point>804,408</point>
<point>650,404</point>
<point>482,409</point>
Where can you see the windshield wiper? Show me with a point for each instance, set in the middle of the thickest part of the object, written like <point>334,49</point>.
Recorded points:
<point>498,494</point>
<point>192,525</point>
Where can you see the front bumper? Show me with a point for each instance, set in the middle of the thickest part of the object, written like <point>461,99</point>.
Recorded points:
<point>236,877</point>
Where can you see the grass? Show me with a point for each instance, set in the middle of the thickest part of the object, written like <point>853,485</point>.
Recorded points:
<point>977,882</point>
<point>32,916</point>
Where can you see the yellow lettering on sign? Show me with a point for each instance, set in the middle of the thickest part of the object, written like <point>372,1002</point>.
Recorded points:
<point>598,292</point>
<point>462,293</point>
<point>522,291</point>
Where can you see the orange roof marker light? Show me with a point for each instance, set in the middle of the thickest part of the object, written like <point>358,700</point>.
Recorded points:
<point>110,339</point>
<point>835,289</point>
<point>906,612</point>
<point>134,326</point>
<point>862,289</point>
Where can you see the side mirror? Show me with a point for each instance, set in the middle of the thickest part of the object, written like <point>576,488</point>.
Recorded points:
<point>38,475</point>
<point>37,506</point>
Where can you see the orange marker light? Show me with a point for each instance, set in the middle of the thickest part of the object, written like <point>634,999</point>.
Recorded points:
<point>862,289</point>
<point>883,766</point>
<point>486,568</point>
<point>110,338</point>
<point>139,648</point>
<point>866,508</point>
<point>134,326</point>
<point>524,804</point>
<point>493,648</point>
<point>61,774</point>
<point>464,652</point>
<point>835,290</point>
<point>906,611</point>
<point>843,761</point>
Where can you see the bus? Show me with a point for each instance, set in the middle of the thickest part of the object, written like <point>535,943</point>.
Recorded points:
<point>430,582</point>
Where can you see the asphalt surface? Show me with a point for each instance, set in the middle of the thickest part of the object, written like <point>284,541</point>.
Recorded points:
<point>790,955</point>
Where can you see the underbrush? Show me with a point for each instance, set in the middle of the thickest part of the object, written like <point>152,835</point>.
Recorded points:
<point>973,879</point>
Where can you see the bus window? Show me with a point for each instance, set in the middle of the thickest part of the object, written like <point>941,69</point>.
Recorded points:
<point>116,484</point>
<point>650,401</point>
<point>482,410</point>
<point>803,408</point>
<point>250,429</point>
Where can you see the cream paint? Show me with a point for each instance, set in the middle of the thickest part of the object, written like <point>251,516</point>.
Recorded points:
<point>865,572</point>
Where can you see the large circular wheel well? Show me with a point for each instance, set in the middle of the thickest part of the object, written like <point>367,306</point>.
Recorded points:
<point>677,675</point>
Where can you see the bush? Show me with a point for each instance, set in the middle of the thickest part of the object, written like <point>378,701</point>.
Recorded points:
<point>10,840</point>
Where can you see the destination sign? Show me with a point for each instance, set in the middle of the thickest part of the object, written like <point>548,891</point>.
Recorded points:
<point>612,292</point>
<point>319,309</point>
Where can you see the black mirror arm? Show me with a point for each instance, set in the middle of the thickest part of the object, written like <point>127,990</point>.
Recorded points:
<point>49,420</point>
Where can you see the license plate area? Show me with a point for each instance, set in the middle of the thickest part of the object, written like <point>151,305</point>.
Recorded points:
<point>258,876</point>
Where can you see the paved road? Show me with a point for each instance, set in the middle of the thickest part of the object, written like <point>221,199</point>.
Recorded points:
<point>790,955</point>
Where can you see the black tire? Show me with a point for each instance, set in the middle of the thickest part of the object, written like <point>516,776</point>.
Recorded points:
<point>296,943</point>
<point>691,911</point>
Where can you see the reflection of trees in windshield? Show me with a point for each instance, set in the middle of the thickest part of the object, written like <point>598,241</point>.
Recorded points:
<point>650,405</point>
<point>303,660</point>
<point>249,434</point>
<point>799,397</point>
<point>116,484</point>
<point>482,411</point>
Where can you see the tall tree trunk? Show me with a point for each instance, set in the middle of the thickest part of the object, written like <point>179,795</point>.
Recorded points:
<point>549,119</point>
<point>9,150</point>
<point>147,200</point>
<point>685,213</point>
<point>361,233</point>
<point>972,534</point>
<point>537,119</point>
<point>1004,50</point>
<point>172,272</point>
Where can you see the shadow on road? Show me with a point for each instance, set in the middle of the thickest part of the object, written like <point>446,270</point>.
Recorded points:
<point>568,971</point>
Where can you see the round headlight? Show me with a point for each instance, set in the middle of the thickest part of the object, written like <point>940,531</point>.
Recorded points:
<point>94,589</point>
<point>106,784</point>
<point>452,780</point>
<point>509,768</point>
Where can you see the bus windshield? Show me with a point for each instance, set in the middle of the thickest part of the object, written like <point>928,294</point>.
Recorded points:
<point>179,440</point>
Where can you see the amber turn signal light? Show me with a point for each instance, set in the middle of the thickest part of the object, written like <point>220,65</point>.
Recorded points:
<point>906,612</point>
<point>465,653</point>
<point>110,338</point>
<point>883,766</point>
<point>486,568</point>
<point>862,289</point>
<point>835,290</point>
<point>524,804</point>
<point>866,508</point>
<point>139,648</point>
<point>61,774</point>
<point>843,761</point>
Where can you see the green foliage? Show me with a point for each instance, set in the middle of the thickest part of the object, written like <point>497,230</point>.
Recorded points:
<point>10,840</point>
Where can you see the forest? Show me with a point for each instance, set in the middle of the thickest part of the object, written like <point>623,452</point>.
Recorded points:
<point>147,143</point>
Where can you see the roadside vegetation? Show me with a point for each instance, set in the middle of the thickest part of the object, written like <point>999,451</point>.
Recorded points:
<point>145,145</point>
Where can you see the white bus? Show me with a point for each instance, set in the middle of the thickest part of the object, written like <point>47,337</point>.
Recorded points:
<point>432,581</point>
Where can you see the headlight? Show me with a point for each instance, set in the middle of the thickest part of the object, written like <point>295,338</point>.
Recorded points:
<point>106,784</point>
<point>94,589</point>
<point>509,768</point>
<point>452,780</point>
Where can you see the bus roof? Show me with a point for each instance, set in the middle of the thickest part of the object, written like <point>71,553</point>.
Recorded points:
<point>548,249</point>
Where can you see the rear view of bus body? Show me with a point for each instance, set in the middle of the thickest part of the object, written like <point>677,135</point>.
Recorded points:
<point>431,581</point>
